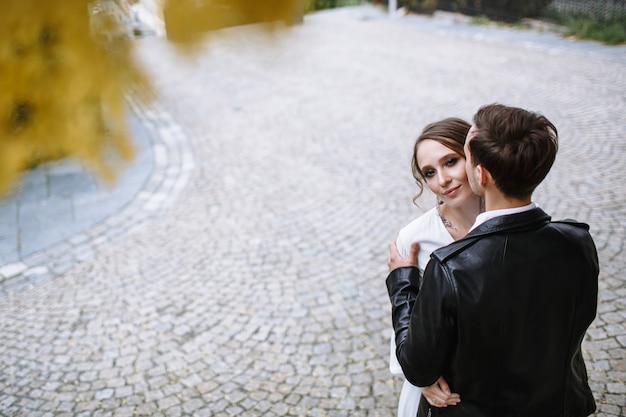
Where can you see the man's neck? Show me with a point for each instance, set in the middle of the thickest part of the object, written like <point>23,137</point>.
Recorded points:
<point>498,201</point>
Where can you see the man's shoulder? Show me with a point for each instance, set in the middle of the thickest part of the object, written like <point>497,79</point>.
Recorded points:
<point>570,225</point>
<point>576,236</point>
<point>567,227</point>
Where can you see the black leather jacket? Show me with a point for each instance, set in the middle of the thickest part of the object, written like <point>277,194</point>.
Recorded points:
<point>501,314</point>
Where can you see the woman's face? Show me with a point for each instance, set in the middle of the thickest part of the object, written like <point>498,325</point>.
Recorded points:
<point>444,172</point>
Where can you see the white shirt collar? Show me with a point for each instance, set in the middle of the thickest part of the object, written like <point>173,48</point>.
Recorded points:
<point>487,215</point>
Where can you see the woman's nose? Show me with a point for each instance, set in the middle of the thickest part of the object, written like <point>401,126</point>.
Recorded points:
<point>443,178</point>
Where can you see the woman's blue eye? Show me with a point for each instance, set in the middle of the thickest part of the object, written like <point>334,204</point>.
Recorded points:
<point>429,173</point>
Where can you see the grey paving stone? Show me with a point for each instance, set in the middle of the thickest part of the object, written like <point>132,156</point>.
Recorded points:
<point>32,185</point>
<point>71,183</point>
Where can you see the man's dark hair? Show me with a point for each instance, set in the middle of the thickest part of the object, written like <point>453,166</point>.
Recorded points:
<point>516,146</point>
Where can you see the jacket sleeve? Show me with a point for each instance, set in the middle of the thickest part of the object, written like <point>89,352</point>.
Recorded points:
<point>423,320</point>
<point>402,286</point>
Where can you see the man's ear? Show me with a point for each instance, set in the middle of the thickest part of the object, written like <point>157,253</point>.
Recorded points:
<point>484,176</point>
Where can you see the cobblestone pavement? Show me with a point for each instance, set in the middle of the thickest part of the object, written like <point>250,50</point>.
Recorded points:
<point>247,279</point>
<point>60,199</point>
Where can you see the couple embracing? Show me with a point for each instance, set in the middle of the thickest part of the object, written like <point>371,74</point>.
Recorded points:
<point>490,297</point>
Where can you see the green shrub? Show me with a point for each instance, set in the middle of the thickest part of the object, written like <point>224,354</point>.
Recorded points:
<point>422,6</point>
<point>312,5</point>
<point>610,30</point>
<point>480,20</point>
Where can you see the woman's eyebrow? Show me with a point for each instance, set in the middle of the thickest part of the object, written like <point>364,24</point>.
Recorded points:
<point>442,159</point>
<point>449,156</point>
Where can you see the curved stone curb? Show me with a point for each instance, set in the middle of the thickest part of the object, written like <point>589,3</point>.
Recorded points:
<point>172,166</point>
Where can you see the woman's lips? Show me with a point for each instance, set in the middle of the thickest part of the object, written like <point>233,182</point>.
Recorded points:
<point>452,191</point>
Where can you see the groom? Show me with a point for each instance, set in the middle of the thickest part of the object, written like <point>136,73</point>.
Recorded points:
<point>501,314</point>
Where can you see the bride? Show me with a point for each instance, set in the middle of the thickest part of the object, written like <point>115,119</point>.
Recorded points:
<point>439,163</point>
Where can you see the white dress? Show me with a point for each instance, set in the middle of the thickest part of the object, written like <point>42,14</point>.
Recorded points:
<point>430,232</point>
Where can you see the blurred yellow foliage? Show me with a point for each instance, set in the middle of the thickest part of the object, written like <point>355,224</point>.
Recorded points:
<point>66,65</point>
<point>187,20</point>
